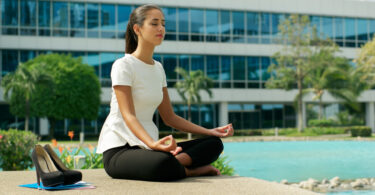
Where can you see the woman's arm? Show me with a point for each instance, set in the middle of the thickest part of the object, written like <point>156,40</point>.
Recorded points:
<point>126,105</point>
<point>171,119</point>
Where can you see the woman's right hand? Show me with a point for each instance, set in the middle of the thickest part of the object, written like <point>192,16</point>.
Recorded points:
<point>161,145</point>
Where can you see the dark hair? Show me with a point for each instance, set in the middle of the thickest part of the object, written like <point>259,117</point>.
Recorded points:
<point>138,16</point>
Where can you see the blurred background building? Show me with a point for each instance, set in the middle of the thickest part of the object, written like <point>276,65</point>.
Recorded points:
<point>231,41</point>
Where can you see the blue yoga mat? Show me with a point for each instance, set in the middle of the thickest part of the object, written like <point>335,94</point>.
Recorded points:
<point>78,185</point>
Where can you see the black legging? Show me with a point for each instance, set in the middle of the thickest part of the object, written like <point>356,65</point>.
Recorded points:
<point>127,162</point>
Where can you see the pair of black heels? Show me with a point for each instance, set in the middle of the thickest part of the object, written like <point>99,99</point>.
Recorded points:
<point>50,169</point>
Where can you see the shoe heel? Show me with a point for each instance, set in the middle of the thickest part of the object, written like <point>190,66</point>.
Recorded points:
<point>38,179</point>
<point>45,169</point>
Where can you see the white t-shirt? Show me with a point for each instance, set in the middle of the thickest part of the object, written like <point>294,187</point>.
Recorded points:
<point>147,82</point>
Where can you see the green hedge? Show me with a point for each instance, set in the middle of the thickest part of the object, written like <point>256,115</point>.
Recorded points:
<point>321,123</point>
<point>15,149</point>
<point>309,131</point>
<point>361,131</point>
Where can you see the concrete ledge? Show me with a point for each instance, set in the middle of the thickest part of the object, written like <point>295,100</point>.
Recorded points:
<point>9,181</point>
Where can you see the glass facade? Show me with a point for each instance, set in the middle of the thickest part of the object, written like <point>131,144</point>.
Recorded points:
<point>261,116</point>
<point>102,20</point>
<point>79,19</point>
<point>226,71</point>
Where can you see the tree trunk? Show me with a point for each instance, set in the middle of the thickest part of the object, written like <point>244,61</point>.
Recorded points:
<point>52,122</point>
<point>300,117</point>
<point>27,116</point>
<point>320,108</point>
<point>189,118</point>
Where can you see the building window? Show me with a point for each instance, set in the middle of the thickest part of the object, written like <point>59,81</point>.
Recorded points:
<point>212,26</point>
<point>197,25</point>
<point>92,20</point>
<point>9,14</point>
<point>108,21</point>
<point>77,20</point>
<point>170,23</point>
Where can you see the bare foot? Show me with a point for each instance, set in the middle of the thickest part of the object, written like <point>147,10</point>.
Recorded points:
<point>207,170</point>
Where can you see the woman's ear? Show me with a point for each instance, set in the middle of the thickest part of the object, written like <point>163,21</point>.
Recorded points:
<point>136,29</point>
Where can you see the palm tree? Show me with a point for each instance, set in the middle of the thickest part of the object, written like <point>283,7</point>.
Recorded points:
<point>332,74</point>
<point>23,82</point>
<point>190,85</point>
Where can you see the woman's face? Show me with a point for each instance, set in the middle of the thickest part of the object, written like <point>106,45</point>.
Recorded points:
<point>153,29</point>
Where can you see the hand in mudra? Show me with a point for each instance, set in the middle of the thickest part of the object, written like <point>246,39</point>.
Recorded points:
<point>223,131</point>
<point>167,144</point>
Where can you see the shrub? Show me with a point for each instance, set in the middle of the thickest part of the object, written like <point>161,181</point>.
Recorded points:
<point>362,131</point>
<point>249,132</point>
<point>321,123</point>
<point>223,165</point>
<point>15,149</point>
<point>92,159</point>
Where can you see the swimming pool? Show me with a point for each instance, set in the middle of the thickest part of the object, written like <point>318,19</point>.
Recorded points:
<point>300,160</point>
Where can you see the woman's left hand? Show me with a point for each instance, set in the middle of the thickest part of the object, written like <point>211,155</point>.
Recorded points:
<point>224,131</point>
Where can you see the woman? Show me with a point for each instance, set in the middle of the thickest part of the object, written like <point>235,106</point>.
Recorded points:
<point>129,138</point>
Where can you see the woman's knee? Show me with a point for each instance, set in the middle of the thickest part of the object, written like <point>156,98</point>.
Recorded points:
<point>216,143</point>
<point>167,167</point>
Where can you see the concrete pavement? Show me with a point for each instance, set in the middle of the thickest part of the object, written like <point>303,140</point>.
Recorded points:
<point>9,181</point>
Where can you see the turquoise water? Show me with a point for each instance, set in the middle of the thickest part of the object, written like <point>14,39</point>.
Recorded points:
<point>359,192</point>
<point>300,160</point>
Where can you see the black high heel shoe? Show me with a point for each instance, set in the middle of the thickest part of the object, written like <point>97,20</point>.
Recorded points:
<point>45,169</point>
<point>70,176</point>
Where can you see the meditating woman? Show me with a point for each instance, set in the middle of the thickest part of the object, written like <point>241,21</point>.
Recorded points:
<point>129,139</point>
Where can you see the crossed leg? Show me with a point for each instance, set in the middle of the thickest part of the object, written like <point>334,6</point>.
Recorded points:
<point>198,154</point>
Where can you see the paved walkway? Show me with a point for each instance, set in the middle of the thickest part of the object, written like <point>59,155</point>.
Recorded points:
<point>9,181</point>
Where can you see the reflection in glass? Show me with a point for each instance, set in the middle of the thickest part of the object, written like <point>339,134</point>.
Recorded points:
<point>253,27</point>
<point>27,55</point>
<point>183,24</point>
<point>212,25</point>
<point>9,12</point>
<point>60,15</point>
<point>170,23</point>
<point>362,29</point>
<point>77,19</point>
<point>213,67</point>
<point>238,23</point>
<point>265,29</point>
<point>107,60</point>
<point>225,26</point>
<point>315,23</point>
<point>123,13</point>
<point>92,19</point>
<point>339,28</point>
<point>225,68</point>
<point>170,64</point>
<point>196,24</point>
<point>9,61</point>
<point>184,62</point>
<point>327,27</point>
<point>350,29</point>
<point>253,67</point>
<point>239,68</point>
<point>28,13</point>
<point>92,59</point>
<point>276,20</point>
<point>197,62</point>
<point>108,22</point>
<point>265,64</point>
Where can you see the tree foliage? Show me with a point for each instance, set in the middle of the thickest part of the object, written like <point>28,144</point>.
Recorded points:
<point>309,63</point>
<point>19,88</point>
<point>365,71</point>
<point>75,93</point>
<point>189,87</point>
<point>293,61</point>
